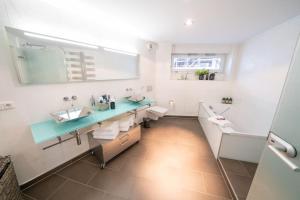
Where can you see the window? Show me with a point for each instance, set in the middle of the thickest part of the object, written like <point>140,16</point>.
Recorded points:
<point>186,62</point>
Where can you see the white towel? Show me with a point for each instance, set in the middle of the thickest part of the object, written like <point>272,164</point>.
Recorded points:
<point>219,120</point>
<point>106,135</point>
<point>126,122</point>
<point>108,132</point>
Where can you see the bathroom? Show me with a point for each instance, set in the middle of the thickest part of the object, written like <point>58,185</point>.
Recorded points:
<point>195,135</point>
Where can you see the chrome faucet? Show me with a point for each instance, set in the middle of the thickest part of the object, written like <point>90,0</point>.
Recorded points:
<point>73,98</point>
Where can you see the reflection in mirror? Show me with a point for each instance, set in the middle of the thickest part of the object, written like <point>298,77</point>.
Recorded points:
<point>43,59</point>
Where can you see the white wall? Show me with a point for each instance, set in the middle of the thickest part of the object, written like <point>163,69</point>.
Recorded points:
<point>264,63</point>
<point>187,93</point>
<point>34,103</point>
<point>255,94</point>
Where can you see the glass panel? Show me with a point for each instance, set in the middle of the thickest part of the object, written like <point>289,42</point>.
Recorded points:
<point>201,61</point>
<point>274,178</point>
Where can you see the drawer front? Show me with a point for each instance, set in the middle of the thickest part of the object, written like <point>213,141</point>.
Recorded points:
<point>130,137</point>
<point>121,143</point>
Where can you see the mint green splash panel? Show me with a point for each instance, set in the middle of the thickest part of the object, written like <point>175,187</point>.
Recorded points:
<point>48,130</point>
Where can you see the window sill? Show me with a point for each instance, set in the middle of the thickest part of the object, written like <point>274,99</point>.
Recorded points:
<point>193,77</point>
<point>195,80</point>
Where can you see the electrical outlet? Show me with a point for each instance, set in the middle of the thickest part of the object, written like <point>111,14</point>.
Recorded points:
<point>6,105</point>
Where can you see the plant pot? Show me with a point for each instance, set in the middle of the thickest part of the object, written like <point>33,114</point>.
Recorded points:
<point>212,76</point>
<point>206,77</point>
<point>201,77</point>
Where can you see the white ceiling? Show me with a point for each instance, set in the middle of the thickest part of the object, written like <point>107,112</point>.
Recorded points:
<point>216,21</point>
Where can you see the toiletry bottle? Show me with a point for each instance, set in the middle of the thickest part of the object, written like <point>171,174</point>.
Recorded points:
<point>93,101</point>
<point>112,103</point>
<point>224,100</point>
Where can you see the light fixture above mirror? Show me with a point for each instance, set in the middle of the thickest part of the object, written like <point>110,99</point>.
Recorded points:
<point>56,39</point>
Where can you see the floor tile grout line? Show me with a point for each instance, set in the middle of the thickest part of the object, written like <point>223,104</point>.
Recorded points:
<point>238,174</point>
<point>54,173</point>
<point>83,184</point>
<point>108,193</point>
<point>91,163</point>
<point>210,173</point>
<point>225,177</point>
<point>28,196</point>
<point>248,169</point>
<point>56,189</point>
<point>72,163</point>
<point>227,187</point>
<point>41,180</point>
<point>208,194</point>
<point>242,164</point>
<point>89,186</point>
<point>91,178</point>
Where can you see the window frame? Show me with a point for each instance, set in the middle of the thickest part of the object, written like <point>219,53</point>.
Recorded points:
<point>221,70</point>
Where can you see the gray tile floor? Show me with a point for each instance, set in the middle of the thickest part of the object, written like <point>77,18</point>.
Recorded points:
<point>172,161</point>
<point>240,175</point>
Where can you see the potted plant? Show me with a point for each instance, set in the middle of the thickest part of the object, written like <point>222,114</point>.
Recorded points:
<point>201,73</point>
<point>212,76</point>
<point>206,73</point>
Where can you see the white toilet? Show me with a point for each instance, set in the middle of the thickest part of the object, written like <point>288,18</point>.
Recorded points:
<point>156,112</point>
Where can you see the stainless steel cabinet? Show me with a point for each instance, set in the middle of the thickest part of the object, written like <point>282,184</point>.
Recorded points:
<point>105,150</point>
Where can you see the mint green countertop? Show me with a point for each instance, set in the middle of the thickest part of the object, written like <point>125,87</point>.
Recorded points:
<point>48,130</point>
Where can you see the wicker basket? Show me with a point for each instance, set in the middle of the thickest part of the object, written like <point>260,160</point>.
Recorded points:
<point>9,187</point>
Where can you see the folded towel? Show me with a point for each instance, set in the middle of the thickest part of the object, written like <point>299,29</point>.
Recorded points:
<point>108,132</point>
<point>106,135</point>
<point>219,120</point>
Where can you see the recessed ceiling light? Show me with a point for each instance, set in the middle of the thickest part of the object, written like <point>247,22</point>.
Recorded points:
<point>188,22</point>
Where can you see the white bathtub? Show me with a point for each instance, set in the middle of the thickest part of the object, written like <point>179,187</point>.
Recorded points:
<point>229,142</point>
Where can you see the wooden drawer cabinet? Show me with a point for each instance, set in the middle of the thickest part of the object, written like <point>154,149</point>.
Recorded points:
<point>105,150</point>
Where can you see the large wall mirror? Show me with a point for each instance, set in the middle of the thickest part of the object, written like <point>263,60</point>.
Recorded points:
<point>41,59</point>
